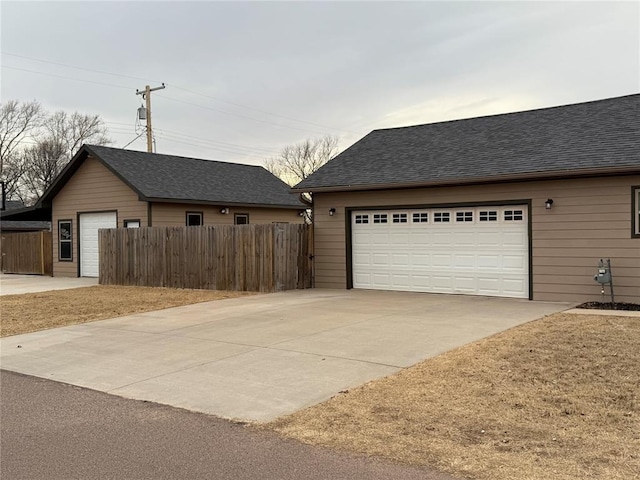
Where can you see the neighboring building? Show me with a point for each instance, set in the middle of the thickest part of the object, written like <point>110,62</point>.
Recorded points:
<point>516,205</point>
<point>11,207</point>
<point>104,187</point>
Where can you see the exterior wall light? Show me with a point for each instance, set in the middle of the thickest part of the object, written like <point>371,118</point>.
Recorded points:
<point>224,211</point>
<point>332,211</point>
<point>548,204</point>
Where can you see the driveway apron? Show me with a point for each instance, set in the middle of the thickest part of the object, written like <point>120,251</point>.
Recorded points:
<point>260,357</point>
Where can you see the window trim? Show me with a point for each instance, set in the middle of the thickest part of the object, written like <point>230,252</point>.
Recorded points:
<point>70,241</point>
<point>186,218</point>
<point>635,211</point>
<point>238,215</point>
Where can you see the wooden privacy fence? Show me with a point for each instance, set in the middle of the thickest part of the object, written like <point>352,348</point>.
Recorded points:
<point>258,258</point>
<point>27,252</point>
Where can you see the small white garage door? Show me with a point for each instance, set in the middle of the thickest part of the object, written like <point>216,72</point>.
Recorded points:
<point>476,251</point>
<point>90,223</point>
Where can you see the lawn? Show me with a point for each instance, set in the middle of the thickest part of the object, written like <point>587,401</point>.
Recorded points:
<point>555,398</point>
<point>31,312</point>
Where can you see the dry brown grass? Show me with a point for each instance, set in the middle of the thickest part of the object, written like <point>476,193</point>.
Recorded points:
<point>31,312</point>
<point>552,399</point>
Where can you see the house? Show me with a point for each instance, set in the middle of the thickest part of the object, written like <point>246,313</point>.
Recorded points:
<point>104,187</point>
<point>516,205</point>
<point>9,210</point>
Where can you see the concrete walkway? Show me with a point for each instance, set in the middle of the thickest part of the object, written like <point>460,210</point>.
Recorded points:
<point>257,358</point>
<point>12,284</point>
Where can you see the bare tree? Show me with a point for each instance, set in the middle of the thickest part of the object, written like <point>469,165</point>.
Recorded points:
<point>71,131</point>
<point>42,164</point>
<point>296,162</point>
<point>18,122</point>
<point>35,146</point>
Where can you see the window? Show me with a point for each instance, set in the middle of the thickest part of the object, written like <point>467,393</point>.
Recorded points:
<point>379,218</point>
<point>242,219</point>
<point>194,219</point>
<point>65,245</point>
<point>131,223</point>
<point>420,217</point>
<point>362,219</point>
<point>636,211</point>
<point>464,216</point>
<point>513,215</point>
<point>489,216</point>
<point>441,217</point>
<point>399,218</point>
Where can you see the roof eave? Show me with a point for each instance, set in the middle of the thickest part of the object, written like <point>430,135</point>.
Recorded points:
<point>553,175</point>
<point>223,203</point>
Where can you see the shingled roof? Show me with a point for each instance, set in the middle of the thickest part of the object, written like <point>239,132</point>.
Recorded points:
<point>587,138</point>
<point>158,177</point>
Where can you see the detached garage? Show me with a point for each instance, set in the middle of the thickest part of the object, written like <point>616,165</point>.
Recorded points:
<point>517,205</point>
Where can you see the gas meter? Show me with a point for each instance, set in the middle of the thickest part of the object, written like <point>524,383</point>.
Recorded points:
<point>604,272</point>
<point>604,277</point>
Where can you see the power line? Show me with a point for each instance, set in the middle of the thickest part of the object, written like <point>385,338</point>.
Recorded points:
<point>214,141</point>
<point>79,68</point>
<point>66,78</point>
<point>185,90</point>
<point>235,114</point>
<point>262,111</point>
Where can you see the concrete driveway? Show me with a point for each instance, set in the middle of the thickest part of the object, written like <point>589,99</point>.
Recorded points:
<point>11,284</point>
<point>257,358</point>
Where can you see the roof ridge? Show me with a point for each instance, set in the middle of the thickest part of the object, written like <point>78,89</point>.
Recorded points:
<point>506,113</point>
<point>172,156</point>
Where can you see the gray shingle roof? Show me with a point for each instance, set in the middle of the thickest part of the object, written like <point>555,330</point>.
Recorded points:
<point>157,176</point>
<point>599,135</point>
<point>8,225</point>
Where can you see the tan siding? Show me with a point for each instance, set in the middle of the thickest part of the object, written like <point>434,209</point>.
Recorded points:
<point>175,214</point>
<point>590,219</point>
<point>93,188</point>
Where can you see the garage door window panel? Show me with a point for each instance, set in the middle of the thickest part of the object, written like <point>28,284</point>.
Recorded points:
<point>380,218</point>
<point>420,217</point>
<point>488,216</point>
<point>441,217</point>
<point>361,219</point>
<point>463,217</point>
<point>513,216</point>
<point>65,241</point>
<point>399,218</point>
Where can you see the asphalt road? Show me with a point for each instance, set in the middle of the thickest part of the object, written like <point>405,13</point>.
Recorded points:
<point>51,430</point>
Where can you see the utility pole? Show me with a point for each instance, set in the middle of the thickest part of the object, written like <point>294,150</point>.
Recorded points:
<point>146,94</point>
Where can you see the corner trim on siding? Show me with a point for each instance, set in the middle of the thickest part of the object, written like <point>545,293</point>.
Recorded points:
<point>634,212</point>
<point>530,242</point>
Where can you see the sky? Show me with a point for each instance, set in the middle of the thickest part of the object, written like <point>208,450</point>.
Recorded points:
<point>245,79</point>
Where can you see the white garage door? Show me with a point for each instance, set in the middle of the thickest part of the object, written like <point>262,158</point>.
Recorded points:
<point>89,225</point>
<point>476,251</point>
